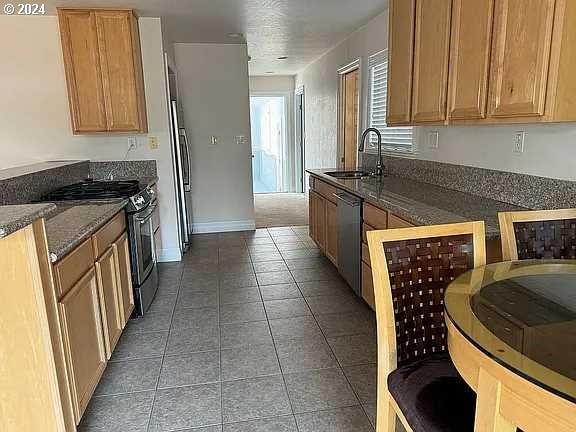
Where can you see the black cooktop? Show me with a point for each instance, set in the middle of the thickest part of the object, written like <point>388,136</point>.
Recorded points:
<point>94,190</point>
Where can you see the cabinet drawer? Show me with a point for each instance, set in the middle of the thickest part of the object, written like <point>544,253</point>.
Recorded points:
<point>72,267</point>
<point>368,286</point>
<point>108,234</point>
<point>375,217</point>
<point>366,254</point>
<point>326,190</point>
<point>396,222</point>
<point>365,229</point>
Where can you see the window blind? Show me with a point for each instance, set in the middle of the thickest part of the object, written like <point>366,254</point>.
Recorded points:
<point>394,139</point>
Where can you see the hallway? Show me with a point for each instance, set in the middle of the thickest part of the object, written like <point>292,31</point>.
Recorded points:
<point>252,332</point>
<point>281,210</point>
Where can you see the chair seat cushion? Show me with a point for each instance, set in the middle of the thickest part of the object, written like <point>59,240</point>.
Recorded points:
<point>432,395</point>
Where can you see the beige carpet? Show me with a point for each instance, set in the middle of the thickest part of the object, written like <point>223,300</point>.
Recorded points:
<point>281,209</point>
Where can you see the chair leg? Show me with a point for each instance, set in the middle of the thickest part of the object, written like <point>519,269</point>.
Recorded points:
<point>385,414</point>
<point>488,417</point>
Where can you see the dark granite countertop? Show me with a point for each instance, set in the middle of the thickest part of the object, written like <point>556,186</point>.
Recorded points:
<point>423,203</point>
<point>16,217</point>
<point>75,221</point>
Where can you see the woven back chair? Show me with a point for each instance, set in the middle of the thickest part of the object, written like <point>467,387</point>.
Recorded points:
<point>411,269</point>
<point>538,234</point>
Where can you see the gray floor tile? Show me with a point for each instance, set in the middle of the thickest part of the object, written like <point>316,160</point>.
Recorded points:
<point>287,308</point>
<point>245,334</point>
<point>335,305</point>
<point>241,313</point>
<point>254,398</point>
<point>280,292</point>
<point>370,410</point>
<point>274,278</point>
<point>325,288</point>
<point>140,346</point>
<point>202,338</point>
<point>197,299</point>
<point>249,362</point>
<point>243,268</point>
<point>304,354</point>
<point>191,318</point>
<point>217,428</point>
<point>199,282</point>
<point>347,324</point>
<point>354,350</point>
<point>317,274</point>
<point>163,302</point>
<point>307,263</point>
<point>190,369</point>
<point>304,253</point>
<point>232,282</point>
<point>263,248</point>
<point>126,413</point>
<point>287,238</point>
<point>240,295</point>
<point>265,256</point>
<point>295,245</point>
<point>270,266</point>
<point>277,424</point>
<point>295,328</point>
<point>259,240</point>
<point>186,407</point>
<point>350,419</point>
<point>364,380</point>
<point>319,389</point>
<point>150,322</point>
<point>129,376</point>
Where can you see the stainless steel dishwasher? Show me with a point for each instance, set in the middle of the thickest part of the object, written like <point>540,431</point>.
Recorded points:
<point>350,239</point>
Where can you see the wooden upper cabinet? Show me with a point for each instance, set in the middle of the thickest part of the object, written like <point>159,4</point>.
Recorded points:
<point>470,50</point>
<point>103,66</point>
<point>400,61</point>
<point>521,57</point>
<point>82,65</point>
<point>431,56</point>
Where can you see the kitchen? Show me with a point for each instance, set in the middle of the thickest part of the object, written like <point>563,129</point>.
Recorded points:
<point>250,327</point>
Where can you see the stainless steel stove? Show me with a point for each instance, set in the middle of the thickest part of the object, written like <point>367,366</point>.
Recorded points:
<point>139,212</point>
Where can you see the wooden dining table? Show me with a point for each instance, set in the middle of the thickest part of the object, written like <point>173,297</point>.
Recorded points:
<point>512,337</point>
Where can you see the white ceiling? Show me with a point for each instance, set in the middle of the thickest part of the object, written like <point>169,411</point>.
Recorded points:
<point>300,29</point>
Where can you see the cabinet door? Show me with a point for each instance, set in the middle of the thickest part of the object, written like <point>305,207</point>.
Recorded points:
<point>400,61</point>
<point>470,58</point>
<point>83,340</point>
<point>82,66</point>
<point>332,232</point>
<point>122,257</point>
<point>109,300</point>
<point>319,219</point>
<point>520,57</point>
<point>120,71</point>
<point>431,55</point>
<point>368,286</point>
<point>312,214</point>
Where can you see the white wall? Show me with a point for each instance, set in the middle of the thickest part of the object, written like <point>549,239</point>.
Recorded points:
<point>35,119</point>
<point>276,83</point>
<point>320,81</point>
<point>213,89</point>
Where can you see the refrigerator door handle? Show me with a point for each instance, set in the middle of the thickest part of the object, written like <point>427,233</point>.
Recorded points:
<point>186,160</point>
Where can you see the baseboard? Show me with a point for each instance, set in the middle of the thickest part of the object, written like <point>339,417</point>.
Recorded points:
<point>169,255</point>
<point>214,227</point>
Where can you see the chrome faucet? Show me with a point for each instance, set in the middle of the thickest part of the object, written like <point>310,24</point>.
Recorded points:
<point>380,164</point>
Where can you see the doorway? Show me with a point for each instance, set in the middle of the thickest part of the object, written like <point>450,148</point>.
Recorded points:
<point>300,141</point>
<point>270,149</point>
<point>349,116</point>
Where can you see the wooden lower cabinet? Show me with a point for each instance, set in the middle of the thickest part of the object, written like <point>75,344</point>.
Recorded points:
<point>368,286</point>
<point>332,232</point>
<point>110,299</point>
<point>318,219</point>
<point>83,340</point>
<point>124,278</point>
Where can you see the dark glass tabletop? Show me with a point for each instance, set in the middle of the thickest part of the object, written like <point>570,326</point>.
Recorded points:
<point>523,315</point>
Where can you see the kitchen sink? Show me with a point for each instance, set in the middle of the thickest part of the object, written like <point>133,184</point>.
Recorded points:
<point>348,174</point>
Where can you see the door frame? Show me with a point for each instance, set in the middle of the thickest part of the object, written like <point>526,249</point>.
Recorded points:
<point>289,169</point>
<point>300,140</point>
<point>349,67</point>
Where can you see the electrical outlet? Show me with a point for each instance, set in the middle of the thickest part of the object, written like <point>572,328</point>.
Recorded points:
<point>433,140</point>
<point>132,143</point>
<point>519,142</point>
<point>240,139</point>
<point>153,142</point>
<point>213,140</point>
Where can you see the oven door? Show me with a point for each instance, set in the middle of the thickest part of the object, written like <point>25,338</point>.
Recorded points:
<point>145,251</point>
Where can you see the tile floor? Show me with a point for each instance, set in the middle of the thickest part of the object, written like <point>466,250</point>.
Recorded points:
<point>252,332</point>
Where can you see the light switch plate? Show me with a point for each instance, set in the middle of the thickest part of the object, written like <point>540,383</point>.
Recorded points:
<point>433,140</point>
<point>519,142</point>
<point>153,142</point>
<point>132,143</point>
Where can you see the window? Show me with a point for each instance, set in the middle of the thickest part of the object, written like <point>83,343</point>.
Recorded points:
<point>394,139</point>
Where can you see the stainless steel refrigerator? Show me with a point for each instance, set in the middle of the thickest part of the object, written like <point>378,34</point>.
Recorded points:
<point>181,161</point>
